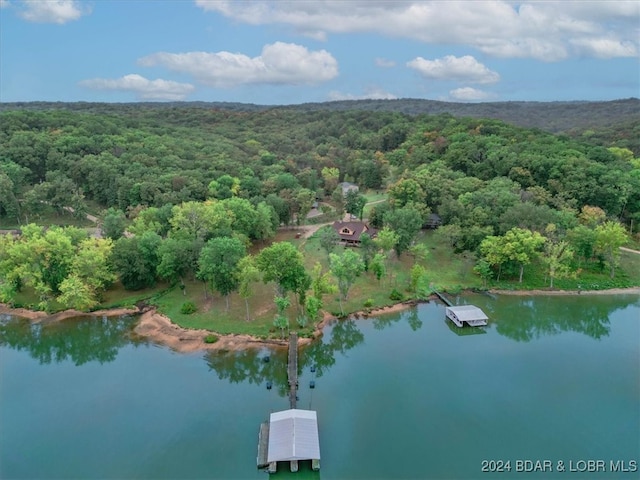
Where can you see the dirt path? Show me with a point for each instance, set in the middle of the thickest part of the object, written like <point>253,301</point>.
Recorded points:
<point>630,250</point>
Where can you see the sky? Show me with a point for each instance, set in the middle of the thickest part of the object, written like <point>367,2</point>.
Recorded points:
<point>291,52</point>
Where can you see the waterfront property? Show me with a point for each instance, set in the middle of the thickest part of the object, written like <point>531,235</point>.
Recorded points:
<point>469,314</point>
<point>290,436</point>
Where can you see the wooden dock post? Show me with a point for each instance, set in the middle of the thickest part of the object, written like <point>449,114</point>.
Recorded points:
<point>292,369</point>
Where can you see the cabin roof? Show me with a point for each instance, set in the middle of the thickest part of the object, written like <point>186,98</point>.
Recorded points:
<point>293,435</point>
<point>356,229</point>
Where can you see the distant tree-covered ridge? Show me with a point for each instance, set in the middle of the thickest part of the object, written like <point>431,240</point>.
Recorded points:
<point>147,155</point>
<point>560,116</point>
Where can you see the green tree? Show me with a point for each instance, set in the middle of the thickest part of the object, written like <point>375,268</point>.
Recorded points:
<point>367,249</point>
<point>386,239</point>
<point>218,264</point>
<point>522,246</point>
<point>225,186</point>
<point>378,265</point>
<point>346,267</point>
<point>74,293</point>
<point>406,191</point>
<point>321,283</point>
<point>178,258</point>
<point>91,265</point>
<point>330,175</point>
<point>610,236</point>
<point>113,223</point>
<point>406,222</point>
<point>281,321</point>
<point>312,308</point>
<point>135,260</point>
<point>328,238</point>
<point>248,274</point>
<point>283,264</point>
<point>419,252</point>
<point>304,202</point>
<point>418,272</point>
<point>483,269</point>
<point>557,257</point>
<point>354,203</point>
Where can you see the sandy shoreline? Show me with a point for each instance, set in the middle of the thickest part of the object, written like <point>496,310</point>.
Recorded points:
<point>159,329</point>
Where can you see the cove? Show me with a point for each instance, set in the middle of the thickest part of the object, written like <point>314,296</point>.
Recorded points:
<point>408,395</point>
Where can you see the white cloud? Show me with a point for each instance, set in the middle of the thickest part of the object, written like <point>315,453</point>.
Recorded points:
<point>604,47</point>
<point>462,69</point>
<point>385,63</point>
<point>468,94</point>
<point>546,31</point>
<point>52,11</point>
<point>279,63</point>
<point>371,94</point>
<point>145,89</point>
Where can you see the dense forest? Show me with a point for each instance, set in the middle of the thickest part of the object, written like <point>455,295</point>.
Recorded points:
<point>199,184</point>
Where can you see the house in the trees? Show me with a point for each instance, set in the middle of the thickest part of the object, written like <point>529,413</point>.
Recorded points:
<point>434,221</point>
<point>351,232</point>
<point>348,187</point>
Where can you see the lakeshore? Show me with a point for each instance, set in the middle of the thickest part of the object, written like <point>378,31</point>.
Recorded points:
<point>150,396</point>
<point>158,328</point>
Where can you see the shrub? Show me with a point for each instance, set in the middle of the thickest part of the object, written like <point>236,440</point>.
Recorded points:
<point>395,295</point>
<point>368,303</point>
<point>210,339</point>
<point>188,308</point>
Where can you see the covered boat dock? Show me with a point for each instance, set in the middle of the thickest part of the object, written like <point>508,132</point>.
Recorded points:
<point>292,437</point>
<point>469,314</point>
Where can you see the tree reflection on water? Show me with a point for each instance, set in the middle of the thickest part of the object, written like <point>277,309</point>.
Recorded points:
<point>530,318</point>
<point>80,339</point>
<point>250,365</point>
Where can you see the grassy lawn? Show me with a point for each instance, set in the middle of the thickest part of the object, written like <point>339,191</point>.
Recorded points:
<point>50,217</point>
<point>374,196</point>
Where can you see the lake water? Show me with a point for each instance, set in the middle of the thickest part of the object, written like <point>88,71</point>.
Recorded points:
<point>408,395</point>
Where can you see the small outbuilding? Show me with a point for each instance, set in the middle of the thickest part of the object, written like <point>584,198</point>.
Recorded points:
<point>469,314</point>
<point>293,436</point>
<point>348,187</point>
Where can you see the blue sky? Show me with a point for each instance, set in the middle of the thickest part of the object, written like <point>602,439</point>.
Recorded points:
<point>289,52</point>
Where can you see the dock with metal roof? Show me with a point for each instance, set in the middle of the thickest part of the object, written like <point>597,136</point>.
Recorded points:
<point>469,314</point>
<point>293,437</point>
<point>290,435</point>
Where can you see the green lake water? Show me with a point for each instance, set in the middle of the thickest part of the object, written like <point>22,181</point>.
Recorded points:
<point>408,395</point>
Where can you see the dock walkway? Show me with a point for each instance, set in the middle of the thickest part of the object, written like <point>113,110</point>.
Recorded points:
<point>443,298</point>
<point>292,369</point>
<point>263,445</point>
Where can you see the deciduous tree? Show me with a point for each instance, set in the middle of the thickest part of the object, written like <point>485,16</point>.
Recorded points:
<point>346,267</point>
<point>218,264</point>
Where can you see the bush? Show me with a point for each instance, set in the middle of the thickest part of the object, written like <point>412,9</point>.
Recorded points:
<point>188,308</point>
<point>368,303</point>
<point>395,295</point>
<point>210,339</point>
